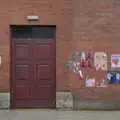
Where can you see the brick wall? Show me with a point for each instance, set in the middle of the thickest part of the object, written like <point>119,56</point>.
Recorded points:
<point>51,12</point>
<point>81,25</point>
<point>96,26</point>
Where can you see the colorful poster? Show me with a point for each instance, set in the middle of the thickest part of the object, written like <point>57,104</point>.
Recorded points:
<point>115,61</point>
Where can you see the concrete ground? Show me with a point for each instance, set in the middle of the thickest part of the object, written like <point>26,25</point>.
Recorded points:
<point>58,115</point>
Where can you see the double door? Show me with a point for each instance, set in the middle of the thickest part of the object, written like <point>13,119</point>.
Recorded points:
<point>33,67</point>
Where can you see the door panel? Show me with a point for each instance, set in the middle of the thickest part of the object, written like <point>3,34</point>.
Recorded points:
<point>22,72</point>
<point>33,69</point>
<point>45,51</point>
<point>22,92</point>
<point>43,72</point>
<point>22,51</point>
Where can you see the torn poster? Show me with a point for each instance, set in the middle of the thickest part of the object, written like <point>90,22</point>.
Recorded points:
<point>115,61</point>
<point>103,83</point>
<point>100,61</point>
<point>79,62</point>
<point>77,69</point>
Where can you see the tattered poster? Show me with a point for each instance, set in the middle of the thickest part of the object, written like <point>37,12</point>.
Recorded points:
<point>100,61</point>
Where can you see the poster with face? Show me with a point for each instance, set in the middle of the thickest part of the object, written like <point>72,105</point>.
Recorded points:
<point>115,61</point>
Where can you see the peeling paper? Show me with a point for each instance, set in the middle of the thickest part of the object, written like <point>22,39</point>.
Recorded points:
<point>76,66</point>
<point>103,83</point>
<point>79,62</point>
<point>83,56</point>
<point>80,73</point>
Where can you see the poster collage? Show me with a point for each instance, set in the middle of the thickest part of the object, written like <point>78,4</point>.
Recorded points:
<point>113,77</point>
<point>81,61</point>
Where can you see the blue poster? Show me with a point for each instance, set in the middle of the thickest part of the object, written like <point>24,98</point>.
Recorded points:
<point>113,77</point>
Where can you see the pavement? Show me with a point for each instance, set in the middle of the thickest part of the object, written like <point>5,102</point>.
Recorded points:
<point>39,114</point>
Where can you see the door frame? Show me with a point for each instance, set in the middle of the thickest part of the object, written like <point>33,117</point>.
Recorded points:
<point>11,62</point>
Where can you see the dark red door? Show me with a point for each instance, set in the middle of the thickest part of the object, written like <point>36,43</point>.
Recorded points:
<point>33,66</point>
